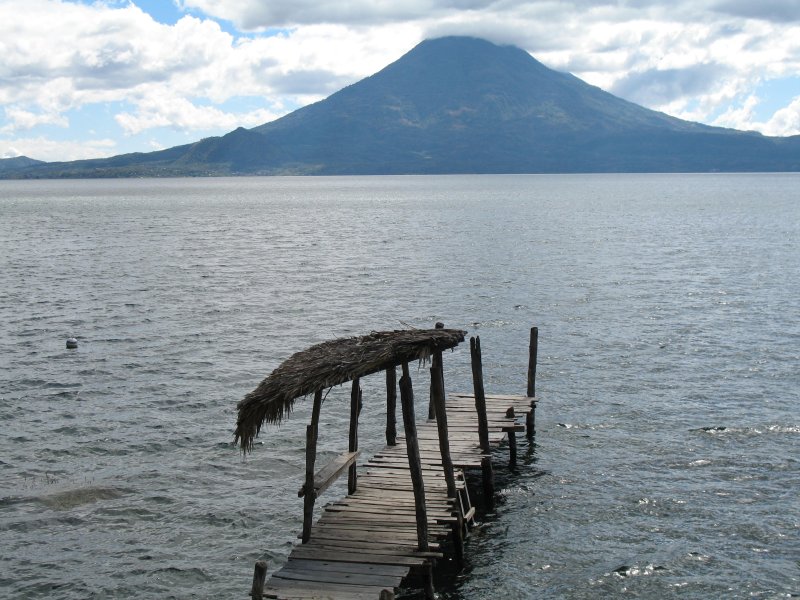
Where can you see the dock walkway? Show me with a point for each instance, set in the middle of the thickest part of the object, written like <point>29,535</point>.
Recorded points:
<point>366,544</point>
<point>410,504</point>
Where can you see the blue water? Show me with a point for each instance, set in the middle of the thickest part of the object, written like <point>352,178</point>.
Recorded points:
<point>665,462</point>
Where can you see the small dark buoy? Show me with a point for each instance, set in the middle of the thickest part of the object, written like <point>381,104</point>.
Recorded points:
<point>72,343</point>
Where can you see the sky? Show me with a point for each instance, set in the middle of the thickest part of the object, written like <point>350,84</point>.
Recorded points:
<point>86,79</point>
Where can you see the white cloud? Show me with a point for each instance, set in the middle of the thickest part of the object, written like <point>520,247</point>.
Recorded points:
<point>19,118</point>
<point>160,109</point>
<point>784,122</point>
<point>45,149</point>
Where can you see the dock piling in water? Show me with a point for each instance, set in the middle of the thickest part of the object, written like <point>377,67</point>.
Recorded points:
<point>259,577</point>
<point>533,350</point>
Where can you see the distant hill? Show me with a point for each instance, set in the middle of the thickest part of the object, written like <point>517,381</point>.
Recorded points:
<point>459,105</point>
<point>18,162</point>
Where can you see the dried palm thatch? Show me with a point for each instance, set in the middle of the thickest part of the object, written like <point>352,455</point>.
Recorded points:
<point>332,363</point>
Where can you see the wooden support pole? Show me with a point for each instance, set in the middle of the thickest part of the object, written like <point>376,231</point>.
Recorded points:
<point>512,448</point>
<point>430,592</point>
<point>437,395</point>
<point>512,439</point>
<point>310,496</point>
<point>259,578</point>
<point>533,350</point>
<point>483,423</point>
<point>432,403</point>
<point>355,411</point>
<point>386,595</point>
<point>435,361</point>
<point>530,422</point>
<point>391,407</point>
<point>488,482</point>
<point>437,385</point>
<point>480,397</point>
<point>414,464</point>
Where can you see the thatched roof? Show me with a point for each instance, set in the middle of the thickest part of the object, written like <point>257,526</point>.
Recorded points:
<point>333,363</point>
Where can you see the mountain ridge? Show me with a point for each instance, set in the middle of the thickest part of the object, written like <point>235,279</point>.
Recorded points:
<point>458,105</point>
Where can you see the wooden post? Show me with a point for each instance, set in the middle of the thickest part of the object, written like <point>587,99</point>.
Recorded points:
<point>437,394</point>
<point>430,592</point>
<point>480,397</point>
<point>386,595</point>
<point>310,496</point>
<point>533,350</point>
<point>436,361</point>
<point>414,464</point>
<point>355,411</point>
<point>483,424</point>
<point>488,482</point>
<point>259,578</point>
<point>391,407</point>
<point>512,440</point>
<point>432,402</point>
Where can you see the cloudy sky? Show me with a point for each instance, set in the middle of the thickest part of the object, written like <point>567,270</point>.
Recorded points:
<point>82,78</point>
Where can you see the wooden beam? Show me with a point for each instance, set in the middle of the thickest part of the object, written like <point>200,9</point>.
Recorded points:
<point>259,577</point>
<point>311,456</point>
<point>480,398</point>
<point>331,472</point>
<point>533,351</point>
<point>437,395</point>
<point>391,406</point>
<point>414,465</point>
<point>355,411</point>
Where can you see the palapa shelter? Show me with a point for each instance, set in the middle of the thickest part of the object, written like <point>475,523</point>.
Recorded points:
<point>333,363</point>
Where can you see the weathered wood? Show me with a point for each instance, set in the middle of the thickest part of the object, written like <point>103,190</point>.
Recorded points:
<point>330,472</point>
<point>530,416</point>
<point>436,361</point>
<point>427,582</point>
<point>355,411</point>
<point>342,567</point>
<point>437,395</point>
<point>512,439</point>
<point>259,577</point>
<point>391,407</point>
<point>533,350</point>
<point>488,482</point>
<point>310,496</point>
<point>386,595</point>
<point>512,448</point>
<point>351,555</point>
<point>414,466</point>
<point>368,541</point>
<point>294,589</point>
<point>480,399</point>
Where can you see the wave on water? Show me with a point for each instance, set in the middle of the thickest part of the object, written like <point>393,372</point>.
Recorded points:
<point>757,430</point>
<point>67,499</point>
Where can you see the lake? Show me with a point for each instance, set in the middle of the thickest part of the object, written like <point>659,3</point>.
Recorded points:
<point>665,462</point>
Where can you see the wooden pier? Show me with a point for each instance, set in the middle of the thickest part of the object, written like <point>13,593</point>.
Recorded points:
<point>408,506</point>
